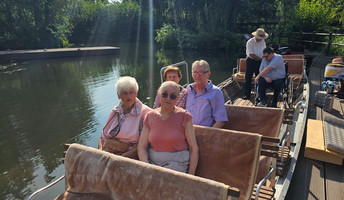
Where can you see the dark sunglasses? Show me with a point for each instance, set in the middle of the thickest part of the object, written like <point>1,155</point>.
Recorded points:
<point>165,95</point>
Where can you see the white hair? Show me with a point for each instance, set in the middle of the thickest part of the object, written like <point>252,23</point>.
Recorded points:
<point>171,84</point>
<point>201,63</point>
<point>126,83</point>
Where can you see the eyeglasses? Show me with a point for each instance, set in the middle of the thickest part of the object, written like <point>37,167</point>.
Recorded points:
<point>266,56</point>
<point>165,95</point>
<point>200,73</point>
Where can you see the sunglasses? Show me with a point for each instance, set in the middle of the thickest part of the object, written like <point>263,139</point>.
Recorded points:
<point>165,95</point>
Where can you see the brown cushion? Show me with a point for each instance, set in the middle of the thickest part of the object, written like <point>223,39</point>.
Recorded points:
<point>92,173</point>
<point>230,157</point>
<point>81,196</point>
<point>265,121</point>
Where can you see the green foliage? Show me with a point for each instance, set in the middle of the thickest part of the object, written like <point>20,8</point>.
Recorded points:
<point>162,58</point>
<point>33,24</point>
<point>338,50</point>
<point>315,15</point>
<point>98,23</point>
<point>189,24</point>
<point>165,33</point>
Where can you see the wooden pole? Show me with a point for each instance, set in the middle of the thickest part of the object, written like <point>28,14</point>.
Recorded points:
<point>313,38</point>
<point>329,43</point>
<point>279,37</point>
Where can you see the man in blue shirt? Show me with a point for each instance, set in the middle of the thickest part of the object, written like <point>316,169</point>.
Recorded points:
<point>271,74</point>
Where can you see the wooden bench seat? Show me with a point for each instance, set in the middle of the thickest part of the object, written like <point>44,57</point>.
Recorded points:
<point>295,70</point>
<point>228,161</point>
<point>239,76</point>
<point>95,174</point>
<point>228,156</point>
<point>265,121</point>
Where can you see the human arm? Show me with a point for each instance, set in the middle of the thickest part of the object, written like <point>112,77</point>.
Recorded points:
<point>263,73</point>
<point>219,124</point>
<point>100,144</point>
<point>143,144</point>
<point>132,153</point>
<point>255,57</point>
<point>219,110</point>
<point>193,147</point>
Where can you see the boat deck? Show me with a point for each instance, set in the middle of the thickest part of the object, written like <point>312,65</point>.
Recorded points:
<point>236,95</point>
<point>315,179</point>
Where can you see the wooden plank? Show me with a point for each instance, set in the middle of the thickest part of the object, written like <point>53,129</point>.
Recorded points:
<point>308,180</point>
<point>315,148</point>
<point>334,181</point>
<point>316,185</point>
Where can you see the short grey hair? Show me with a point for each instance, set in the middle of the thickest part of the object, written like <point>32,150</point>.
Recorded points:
<point>126,83</point>
<point>201,63</point>
<point>171,84</point>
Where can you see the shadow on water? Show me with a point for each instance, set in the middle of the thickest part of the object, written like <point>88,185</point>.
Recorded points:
<point>51,102</point>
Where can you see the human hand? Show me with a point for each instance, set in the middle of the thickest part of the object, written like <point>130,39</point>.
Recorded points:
<point>267,79</point>
<point>256,80</point>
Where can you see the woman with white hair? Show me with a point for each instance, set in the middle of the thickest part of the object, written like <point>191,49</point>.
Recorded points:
<point>168,138</point>
<point>122,129</point>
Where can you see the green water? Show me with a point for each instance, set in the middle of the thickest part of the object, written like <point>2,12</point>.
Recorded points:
<point>47,103</point>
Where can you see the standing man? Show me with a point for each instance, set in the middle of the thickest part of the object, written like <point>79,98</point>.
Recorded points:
<point>272,74</point>
<point>254,49</point>
<point>205,101</point>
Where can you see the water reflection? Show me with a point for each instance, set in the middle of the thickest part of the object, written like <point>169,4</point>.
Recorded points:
<point>51,102</point>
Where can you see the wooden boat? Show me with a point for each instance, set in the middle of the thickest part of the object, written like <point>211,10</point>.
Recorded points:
<point>295,114</point>
<point>252,157</point>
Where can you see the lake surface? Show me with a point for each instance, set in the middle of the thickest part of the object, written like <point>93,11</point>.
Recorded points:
<point>47,103</point>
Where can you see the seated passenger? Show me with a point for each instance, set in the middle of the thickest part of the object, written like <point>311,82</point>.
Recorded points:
<point>205,100</point>
<point>174,74</point>
<point>271,74</point>
<point>121,132</point>
<point>168,138</point>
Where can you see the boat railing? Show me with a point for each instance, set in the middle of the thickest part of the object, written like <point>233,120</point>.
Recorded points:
<point>284,143</point>
<point>260,184</point>
<point>176,65</point>
<point>45,187</point>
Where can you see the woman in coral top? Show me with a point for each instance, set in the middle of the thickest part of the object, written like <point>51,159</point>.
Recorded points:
<point>169,133</point>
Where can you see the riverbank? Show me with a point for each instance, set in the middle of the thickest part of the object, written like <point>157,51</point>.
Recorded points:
<point>15,55</point>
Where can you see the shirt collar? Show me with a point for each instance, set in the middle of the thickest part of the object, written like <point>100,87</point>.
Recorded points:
<point>205,89</point>
<point>134,110</point>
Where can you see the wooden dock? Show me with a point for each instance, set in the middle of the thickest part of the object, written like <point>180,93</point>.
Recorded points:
<point>316,179</point>
<point>15,55</point>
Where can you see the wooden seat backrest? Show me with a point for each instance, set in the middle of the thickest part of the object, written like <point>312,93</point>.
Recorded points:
<point>295,66</point>
<point>294,56</point>
<point>242,65</point>
<point>95,174</point>
<point>265,121</point>
<point>230,157</point>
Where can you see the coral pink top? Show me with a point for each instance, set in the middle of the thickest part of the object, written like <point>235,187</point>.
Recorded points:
<point>167,135</point>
